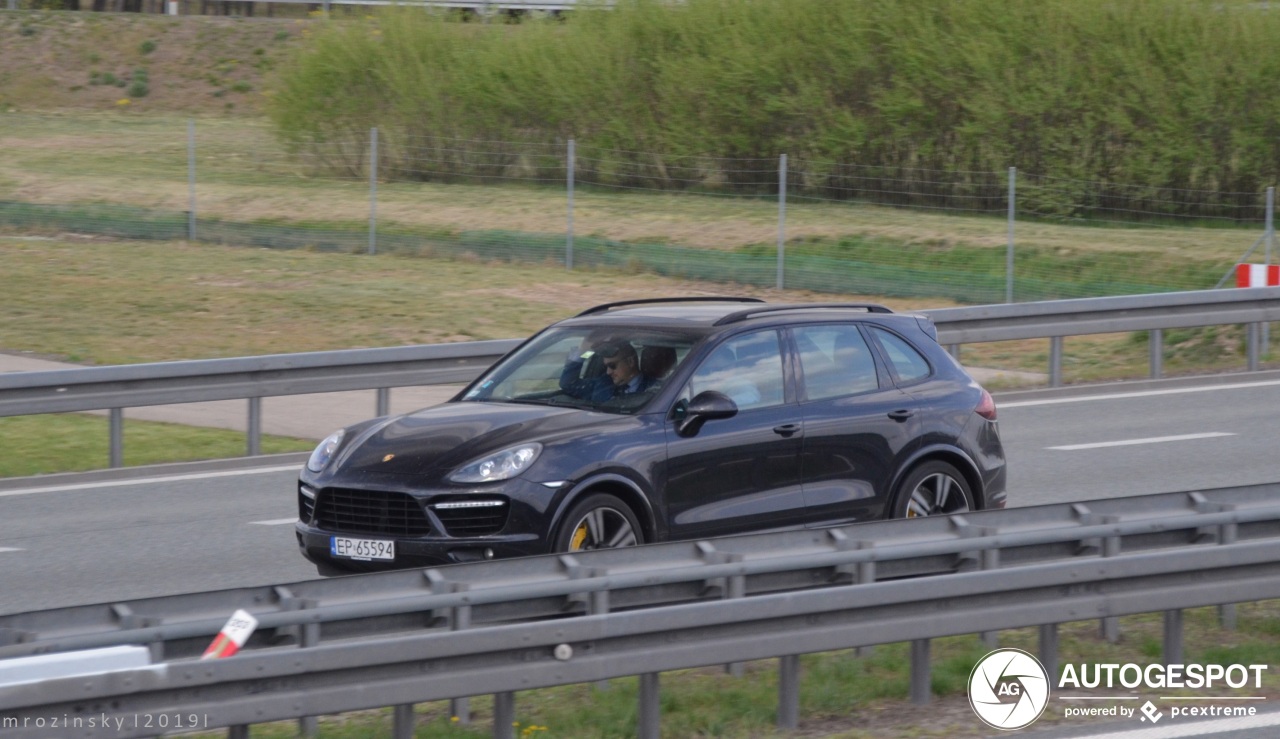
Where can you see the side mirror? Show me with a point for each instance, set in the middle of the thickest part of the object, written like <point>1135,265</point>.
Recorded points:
<point>705,406</point>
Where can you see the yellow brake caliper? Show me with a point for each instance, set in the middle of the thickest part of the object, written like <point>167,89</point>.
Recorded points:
<point>579,536</point>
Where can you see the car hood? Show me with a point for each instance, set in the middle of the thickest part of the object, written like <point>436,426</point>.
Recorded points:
<point>444,437</point>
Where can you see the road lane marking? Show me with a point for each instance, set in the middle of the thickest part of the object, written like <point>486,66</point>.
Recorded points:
<point>1137,394</point>
<point>148,480</point>
<point>276,521</point>
<point>1134,442</point>
<point>10,549</point>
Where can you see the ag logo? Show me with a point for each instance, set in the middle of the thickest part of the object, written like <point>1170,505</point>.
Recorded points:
<point>1008,689</point>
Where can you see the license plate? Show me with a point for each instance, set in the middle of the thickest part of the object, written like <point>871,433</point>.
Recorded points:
<point>362,549</point>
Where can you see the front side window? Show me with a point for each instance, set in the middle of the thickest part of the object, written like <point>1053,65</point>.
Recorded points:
<point>907,362</point>
<point>835,360</point>
<point>613,369</point>
<point>747,368</point>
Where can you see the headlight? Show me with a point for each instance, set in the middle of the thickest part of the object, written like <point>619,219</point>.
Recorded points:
<point>323,453</point>
<point>500,466</point>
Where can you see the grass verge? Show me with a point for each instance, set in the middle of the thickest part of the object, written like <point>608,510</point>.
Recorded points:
<point>39,445</point>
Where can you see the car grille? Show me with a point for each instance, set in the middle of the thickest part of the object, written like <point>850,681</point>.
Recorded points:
<point>370,512</point>
<point>472,517</point>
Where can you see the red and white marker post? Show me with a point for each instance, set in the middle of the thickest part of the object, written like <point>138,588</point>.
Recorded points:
<point>233,636</point>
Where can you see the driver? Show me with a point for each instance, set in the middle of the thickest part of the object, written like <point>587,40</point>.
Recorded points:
<point>621,376</point>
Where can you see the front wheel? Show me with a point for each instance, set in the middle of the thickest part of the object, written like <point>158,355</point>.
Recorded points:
<point>932,489</point>
<point>599,522</point>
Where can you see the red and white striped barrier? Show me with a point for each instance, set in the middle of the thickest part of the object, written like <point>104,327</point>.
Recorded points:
<point>1257,275</point>
<point>233,636</point>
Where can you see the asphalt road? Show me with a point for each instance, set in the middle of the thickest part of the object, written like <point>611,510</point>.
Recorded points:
<point>79,539</point>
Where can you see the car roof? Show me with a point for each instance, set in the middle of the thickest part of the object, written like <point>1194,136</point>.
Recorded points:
<point>712,312</point>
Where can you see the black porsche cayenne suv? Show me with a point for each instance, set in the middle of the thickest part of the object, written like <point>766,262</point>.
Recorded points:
<point>653,420</point>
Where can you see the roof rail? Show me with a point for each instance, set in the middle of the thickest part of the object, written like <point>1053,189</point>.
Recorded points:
<point>646,301</point>
<point>742,315</point>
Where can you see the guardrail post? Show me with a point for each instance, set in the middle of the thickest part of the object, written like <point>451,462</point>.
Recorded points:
<point>402,721</point>
<point>115,425</point>
<point>729,587</point>
<point>1055,361</point>
<point>237,732</point>
<point>383,404</point>
<point>788,691</point>
<point>650,714</point>
<point>1173,637</point>
<point>1228,533</point>
<point>504,716</point>
<point>599,606</point>
<point>866,574</point>
<point>1155,347</point>
<point>1049,651</point>
<point>459,620</point>
<point>954,351</point>
<point>1110,626</point>
<point>921,675</point>
<point>1253,341</point>
<point>308,635</point>
<point>254,433</point>
<point>990,561</point>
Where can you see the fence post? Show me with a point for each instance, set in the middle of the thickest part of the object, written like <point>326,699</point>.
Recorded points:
<point>1270,239</point>
<point>1008,257</point>
<point>373,190</point>
<point>568,242</point>
<point>191,179</point>
<point>782,218</point>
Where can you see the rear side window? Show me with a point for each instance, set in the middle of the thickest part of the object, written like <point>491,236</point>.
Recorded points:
<point>836,361</point>
<point>907,362</point>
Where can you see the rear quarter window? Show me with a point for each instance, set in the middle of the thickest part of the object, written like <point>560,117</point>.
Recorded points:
<point>907,361</point>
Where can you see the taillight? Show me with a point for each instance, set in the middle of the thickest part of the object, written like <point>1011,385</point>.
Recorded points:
<point>986,407</point>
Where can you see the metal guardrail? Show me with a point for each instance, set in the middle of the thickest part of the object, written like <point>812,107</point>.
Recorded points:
<point>448,632</point>
<point>252,378</point>
<point>1055,319</point>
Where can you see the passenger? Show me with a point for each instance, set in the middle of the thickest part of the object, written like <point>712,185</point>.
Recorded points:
<point>621,376</point>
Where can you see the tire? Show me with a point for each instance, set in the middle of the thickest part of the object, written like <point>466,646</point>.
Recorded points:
<point>599,522</point>
<point>932,489</point>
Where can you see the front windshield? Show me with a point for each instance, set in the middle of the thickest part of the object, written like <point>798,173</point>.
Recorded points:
<point>615,369</point>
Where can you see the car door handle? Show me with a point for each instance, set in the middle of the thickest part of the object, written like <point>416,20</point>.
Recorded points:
<point>901,415</point>
<point>786,430</point>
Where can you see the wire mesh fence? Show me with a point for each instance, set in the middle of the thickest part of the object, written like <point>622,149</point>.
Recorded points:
<point>970,236</point>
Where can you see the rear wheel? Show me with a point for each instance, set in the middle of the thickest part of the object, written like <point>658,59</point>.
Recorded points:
<point>599,522</point>
<point>933,489</point>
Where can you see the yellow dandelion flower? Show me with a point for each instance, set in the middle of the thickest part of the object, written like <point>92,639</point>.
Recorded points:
<point>123,101</point>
